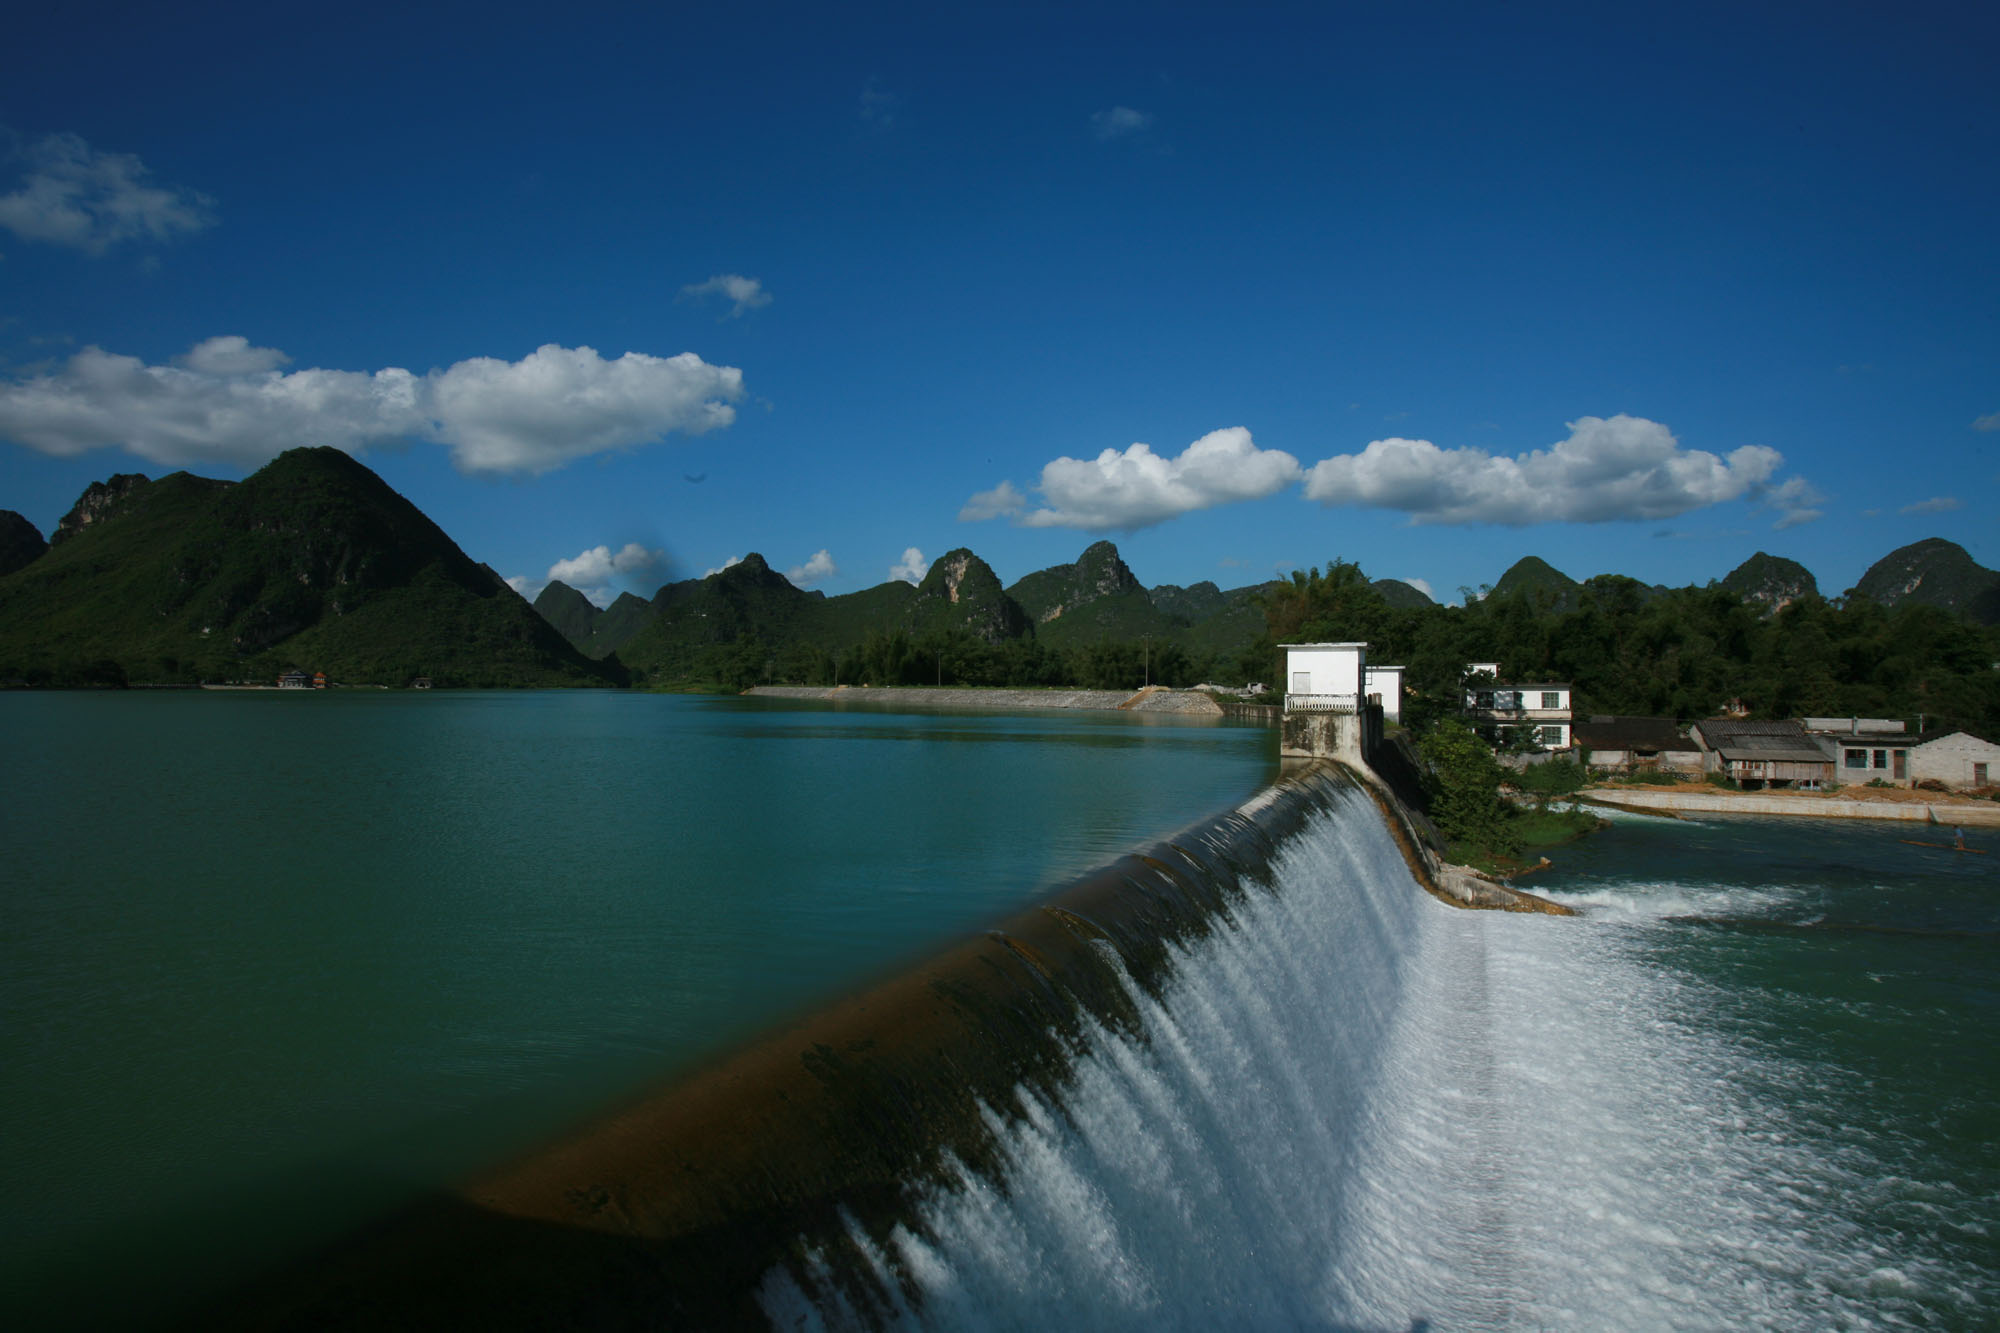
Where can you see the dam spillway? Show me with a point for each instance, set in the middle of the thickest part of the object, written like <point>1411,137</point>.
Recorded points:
<point>1254,1076</point>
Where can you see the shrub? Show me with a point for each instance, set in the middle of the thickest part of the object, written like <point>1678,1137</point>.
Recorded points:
<point>1653,777</point>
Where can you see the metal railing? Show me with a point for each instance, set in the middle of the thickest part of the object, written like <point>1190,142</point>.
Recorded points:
<point>1322,703</point>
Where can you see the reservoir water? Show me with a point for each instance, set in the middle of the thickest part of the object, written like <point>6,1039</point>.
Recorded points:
<point>274,963</point>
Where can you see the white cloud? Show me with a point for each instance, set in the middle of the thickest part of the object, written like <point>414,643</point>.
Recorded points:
<point>558,404</point>
<point>1623,467</point>
<point>1002,499</point>
<point>1421,586</point>
<point>593,572</point>
<point>1991,421</point>
<point>815,570</point>
<point>744,293</point>
<point>730,563</point>
<point>1796,500</point>
<point>912,567</point>
<point>229,402</point>
<point>1138,488</point>
<point>1937,504</point>
<point>76,196</point>
<point>1118,122</point>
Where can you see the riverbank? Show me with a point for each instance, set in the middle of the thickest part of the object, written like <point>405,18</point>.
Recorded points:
<point>1912,807</point>
<point>1154,699</point>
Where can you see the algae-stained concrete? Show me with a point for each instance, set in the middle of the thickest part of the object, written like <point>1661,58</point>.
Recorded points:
<point>1979,814</point>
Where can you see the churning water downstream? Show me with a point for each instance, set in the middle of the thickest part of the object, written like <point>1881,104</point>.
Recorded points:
<point>1256,1078</point>
<point>1355,1107</point>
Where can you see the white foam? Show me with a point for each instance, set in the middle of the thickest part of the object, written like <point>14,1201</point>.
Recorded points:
<point>1359,1108</point>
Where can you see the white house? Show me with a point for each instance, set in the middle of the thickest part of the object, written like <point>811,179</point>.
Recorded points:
<point>1537,712</point>
<point>1385,683</point>
<point>1326,696</point>
<point>1864,749</point>
<point>1325,677</point>
<point>1957,759</point>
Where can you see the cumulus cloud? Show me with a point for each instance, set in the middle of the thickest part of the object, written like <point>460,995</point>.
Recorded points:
<point>1622,467</point>
<point>1421,586</point>
<point>1937,504</point>
<point>730,563</point>
<point>71,194</point>
<point>1991,421</point>
<point>815,570</point>
<point>743,293</point>
<point>912,567</point>
<point>227,401</point>
<point>1796,500</point>
<point>1118,122</point>
<point>595,569</point>
<point>1002,499</point>
<point>593,572</point>
<point>1137,488</point>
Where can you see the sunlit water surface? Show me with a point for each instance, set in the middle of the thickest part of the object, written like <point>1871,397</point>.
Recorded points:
<point>272,962</point>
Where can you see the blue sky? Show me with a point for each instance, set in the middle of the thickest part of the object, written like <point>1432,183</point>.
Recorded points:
<point>621,293</point>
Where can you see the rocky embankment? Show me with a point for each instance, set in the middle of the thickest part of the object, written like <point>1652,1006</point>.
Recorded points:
<point>1156,699</point>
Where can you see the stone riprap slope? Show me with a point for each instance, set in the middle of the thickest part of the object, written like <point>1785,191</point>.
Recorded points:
<point>1154,700</point>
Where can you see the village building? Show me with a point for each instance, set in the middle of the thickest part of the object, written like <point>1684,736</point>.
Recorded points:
<point>1327,712</point>
<point>1533,713</point>
<point>1958,759</point>
<point>295,680</point>
<point>1762,754</point>
<point>1384,685</point>
<point>1612,744</point>
<point>1864,749</point>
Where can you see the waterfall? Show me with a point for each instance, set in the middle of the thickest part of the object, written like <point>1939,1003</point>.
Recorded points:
<point>1255,1078</point>
<point>1353,1107</point>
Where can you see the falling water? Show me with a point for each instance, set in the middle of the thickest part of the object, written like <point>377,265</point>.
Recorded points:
<point>1351,1106</point>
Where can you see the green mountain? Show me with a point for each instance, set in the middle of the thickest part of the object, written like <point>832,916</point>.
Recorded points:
<point>1933,572</point>
<point>1543,584</point>
<point>1401,595</point>
<point>1771,581</point>
<point>617,623</point>
<point>961,593</point>
<point>313,562</point>
<point>748,600</point>
<point>21,542</point>
<point>1093,600</point>
<point>596,632</point>
<point>573,615</point>
<point>99,501</point>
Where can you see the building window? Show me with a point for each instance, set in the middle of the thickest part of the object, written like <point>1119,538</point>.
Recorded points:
<point>1856,759</point>
<point>1551,699</point>
<point>1979,775</point>
<point>1881,759</point>
<point>1552,737</point>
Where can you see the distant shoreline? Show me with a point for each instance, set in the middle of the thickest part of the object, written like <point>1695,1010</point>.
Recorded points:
<point>1155,699</point>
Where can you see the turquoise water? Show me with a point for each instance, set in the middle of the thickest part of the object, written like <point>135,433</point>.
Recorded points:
<point>273,962</point>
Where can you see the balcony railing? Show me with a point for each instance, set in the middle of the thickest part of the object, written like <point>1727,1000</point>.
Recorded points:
<point>1519,714</point>
<point>1322,703</point>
